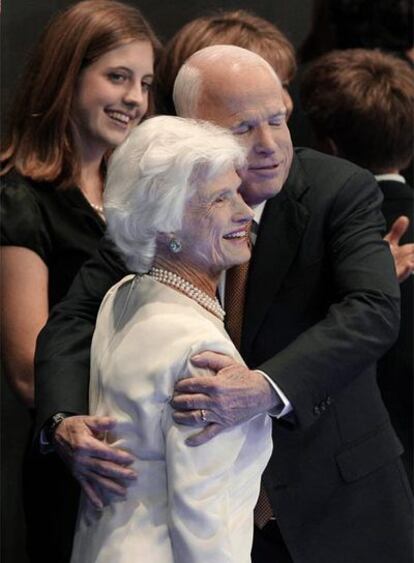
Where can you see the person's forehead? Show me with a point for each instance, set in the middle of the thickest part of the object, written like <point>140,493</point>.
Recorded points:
<point>208,187</point>
<point>233,80</point>
<point>239,102</point>
<point>226,75</point>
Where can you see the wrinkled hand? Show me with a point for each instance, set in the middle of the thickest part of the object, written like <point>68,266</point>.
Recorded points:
<point>101,469</point>
<point>231,396</point>
<point>403,255</point>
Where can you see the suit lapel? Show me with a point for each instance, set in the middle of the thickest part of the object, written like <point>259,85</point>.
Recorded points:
<point>280,234</point>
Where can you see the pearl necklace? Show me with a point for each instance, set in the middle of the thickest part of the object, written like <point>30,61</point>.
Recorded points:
<point>173,280</point>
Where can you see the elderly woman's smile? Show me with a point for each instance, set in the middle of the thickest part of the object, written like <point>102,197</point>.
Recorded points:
<point>237,234</point>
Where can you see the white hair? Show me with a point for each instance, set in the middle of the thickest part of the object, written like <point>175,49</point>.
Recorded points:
<point>188,84</point>
<point>153,173</point>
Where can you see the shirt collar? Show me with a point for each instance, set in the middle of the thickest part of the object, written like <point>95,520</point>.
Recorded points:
<point>258,212</point>
<point>392,177</point>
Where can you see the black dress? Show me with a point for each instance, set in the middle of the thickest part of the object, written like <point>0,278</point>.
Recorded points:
<point>63,229</point>
<point>59,225</point>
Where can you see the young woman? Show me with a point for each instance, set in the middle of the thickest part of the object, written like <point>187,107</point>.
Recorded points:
<point>86,87</point>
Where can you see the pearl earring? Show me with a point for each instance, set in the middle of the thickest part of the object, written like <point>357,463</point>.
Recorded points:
<point>175,245</point>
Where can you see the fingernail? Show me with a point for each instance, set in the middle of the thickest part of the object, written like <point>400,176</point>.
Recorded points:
<point>196,357</point>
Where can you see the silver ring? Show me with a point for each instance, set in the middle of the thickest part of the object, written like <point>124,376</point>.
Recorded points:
<point>203,416</point>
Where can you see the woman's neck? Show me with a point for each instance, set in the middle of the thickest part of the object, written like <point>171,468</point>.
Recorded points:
<point>91,180</point>
<point>200,280</point>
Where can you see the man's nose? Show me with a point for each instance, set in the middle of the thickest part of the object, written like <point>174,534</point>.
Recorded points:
<point>265,142</point>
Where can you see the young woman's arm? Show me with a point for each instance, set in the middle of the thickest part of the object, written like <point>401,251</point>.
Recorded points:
<point>24,311</point>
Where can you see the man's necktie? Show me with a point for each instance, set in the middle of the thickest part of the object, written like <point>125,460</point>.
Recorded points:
<point>235,295</point>
<point>262,511</point>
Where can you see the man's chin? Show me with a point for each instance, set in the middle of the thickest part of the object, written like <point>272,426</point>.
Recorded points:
<point>255,194</point>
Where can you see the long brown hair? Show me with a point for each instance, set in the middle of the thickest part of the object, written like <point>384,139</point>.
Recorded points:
<point>40,142</point>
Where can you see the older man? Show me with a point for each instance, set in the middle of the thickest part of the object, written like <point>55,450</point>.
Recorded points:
<point>321,307</point>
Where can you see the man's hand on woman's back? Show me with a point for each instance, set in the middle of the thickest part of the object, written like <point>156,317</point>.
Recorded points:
<point>102,470</point>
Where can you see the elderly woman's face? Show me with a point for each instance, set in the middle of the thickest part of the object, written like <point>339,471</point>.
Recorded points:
<point>215,226</point>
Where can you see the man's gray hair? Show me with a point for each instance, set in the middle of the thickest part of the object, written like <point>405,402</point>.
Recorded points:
<point>188,84</point>
<point>153,173</point>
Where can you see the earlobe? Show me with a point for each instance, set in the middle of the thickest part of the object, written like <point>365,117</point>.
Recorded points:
<point>171,241</point>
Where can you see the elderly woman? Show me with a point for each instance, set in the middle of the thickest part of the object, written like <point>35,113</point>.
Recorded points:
<point>174,210</point>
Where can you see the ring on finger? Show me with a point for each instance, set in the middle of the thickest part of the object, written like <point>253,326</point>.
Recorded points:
<point>203,416</point>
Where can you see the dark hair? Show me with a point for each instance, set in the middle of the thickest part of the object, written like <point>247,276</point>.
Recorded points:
<point>364,101</point>
<point>367,24</point>
<point>40,142</point>
<point>239,28</point>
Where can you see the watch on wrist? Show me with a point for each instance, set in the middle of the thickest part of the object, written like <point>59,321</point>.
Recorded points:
<point>52,424</point>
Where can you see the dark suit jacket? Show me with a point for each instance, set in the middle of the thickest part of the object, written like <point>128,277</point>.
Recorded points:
<point>322,306</point>
<point>396,368</point>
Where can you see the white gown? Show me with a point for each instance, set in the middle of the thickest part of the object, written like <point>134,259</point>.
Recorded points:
<point>189,504</point>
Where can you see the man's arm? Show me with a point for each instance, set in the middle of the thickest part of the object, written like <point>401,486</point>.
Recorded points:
<point>362,321</point>
<point>360,325</point>
<point>63,346</point>
<point>254,395</point>
<point>62,382</point>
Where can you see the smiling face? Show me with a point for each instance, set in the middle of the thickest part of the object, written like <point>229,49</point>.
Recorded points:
<point>215,226</point>
<point>112,96</point>
<point>248,100</point>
